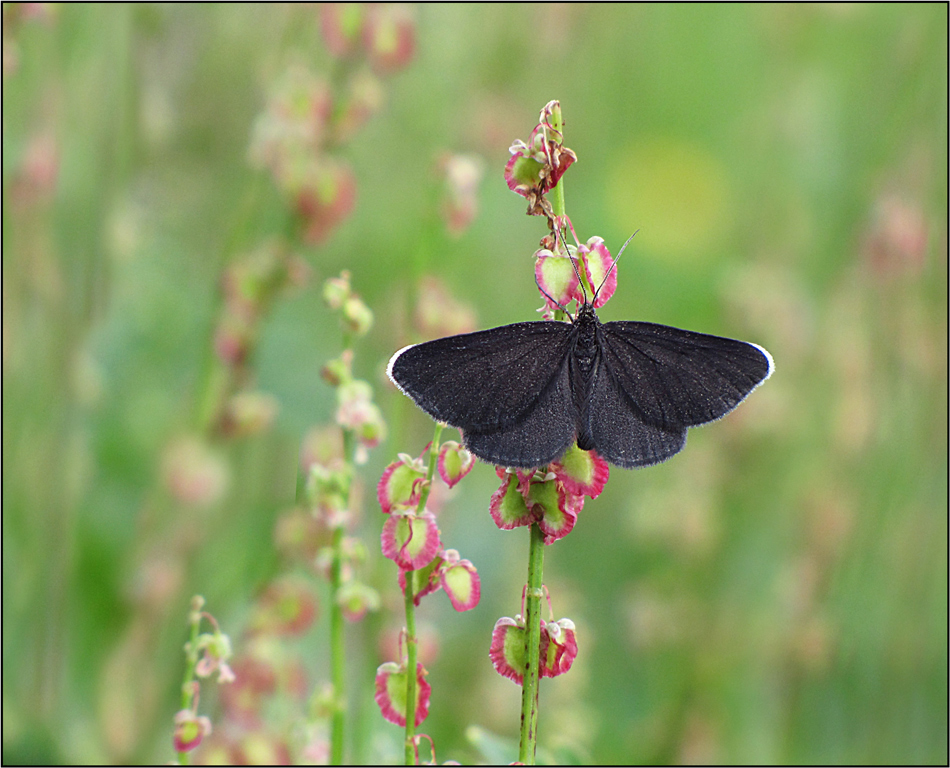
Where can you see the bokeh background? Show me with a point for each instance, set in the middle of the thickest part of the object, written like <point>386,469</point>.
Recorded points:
<point>777,593</point>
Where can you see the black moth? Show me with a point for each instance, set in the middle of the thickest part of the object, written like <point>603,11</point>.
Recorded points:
<point>522,394</point>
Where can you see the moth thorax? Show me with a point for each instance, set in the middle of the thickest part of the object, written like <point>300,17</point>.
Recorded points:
<point>585,344</point>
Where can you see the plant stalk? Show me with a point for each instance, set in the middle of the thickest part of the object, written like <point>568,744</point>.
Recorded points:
<point>531,682</point>
<point>412,644</point>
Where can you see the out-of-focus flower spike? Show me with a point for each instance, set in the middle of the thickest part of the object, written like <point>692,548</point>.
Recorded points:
<point>462,175</point>
<point>342,27</point>
<point>389,37</point>
<point>190,729</point>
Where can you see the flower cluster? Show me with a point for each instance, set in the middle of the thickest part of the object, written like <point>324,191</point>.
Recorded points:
<point>266,668</point>
<point>438,313</point>
<point>328,491</point>
<point>383,33</point>
<point>250,285</point>
<point>558,647</point>
<point>14,16</point>
<point>356,412</point>
<point>537,165</point>
<point>306,119</point>
<point>582,273</point>
<point>194,473</point>
<point>411,539</point>
<point>462,175</point>
<point>550,497</point>
<point>207,653</point>
<point>269,666</point>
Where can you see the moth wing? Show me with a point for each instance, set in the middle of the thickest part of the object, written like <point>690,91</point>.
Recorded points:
<point>620,435</point>
<point>487,381</point>
<point>546,431</point>
<point>674,378</point>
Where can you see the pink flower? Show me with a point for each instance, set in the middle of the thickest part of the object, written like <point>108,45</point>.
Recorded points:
<point>424,580</point>
<point>537,165</point>
<point>556,277</point>
<point>558,648</point>
<point>507,649</point>
<point>214,650</point>
<point>389,37</point>
<point>460,581</point>
<point>287,607</point>
<point>536,497</point>
<point>583,473</point>
<point>357,599</point>
<point>438,313</point>
<point>325,199</point>
<point>194,472</point>
<point>454,462</point>
<point>190,729</point>
<point>447,571</point>
<point>391,693</point>
<point>342,27</point>
<point>401,483</point>
<point>460,191</point>
<point>410,540</point>
<point>556,274</point>
<point>599,269</point>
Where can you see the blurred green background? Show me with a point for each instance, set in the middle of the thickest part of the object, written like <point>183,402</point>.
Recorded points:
<point>777,593</point>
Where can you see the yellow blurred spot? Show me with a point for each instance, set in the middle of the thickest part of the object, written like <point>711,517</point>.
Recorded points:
<point>676,193</point>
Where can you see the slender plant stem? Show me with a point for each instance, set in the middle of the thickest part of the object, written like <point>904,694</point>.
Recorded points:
<point>337,638</point>
<point>337,654</point>
<point>430,471</point>
<point>411,662</point>
<point>187,692</point>
<point>411,640</point>
<point>531,683</point>
<point>532,674</point>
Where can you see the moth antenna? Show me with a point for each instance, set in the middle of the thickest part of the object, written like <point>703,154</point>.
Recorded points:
<point>577,273</point>
<point>564,309</point>
<point>616,259</point>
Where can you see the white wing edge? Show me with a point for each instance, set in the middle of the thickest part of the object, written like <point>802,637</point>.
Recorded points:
<point>392,362</point>
<point>763,350</point>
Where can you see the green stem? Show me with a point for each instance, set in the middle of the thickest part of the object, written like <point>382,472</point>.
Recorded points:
<point>532,673</point>
<point>557,198</point>
<point>187,694</point>
<point>531,683</point>
<point>557,194</point>
<point>430,472</point>
<point>411,640</point>
<point>337,639</point>
<point>411,663</point>
<point>337,653</point>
